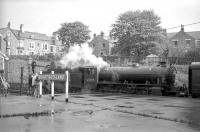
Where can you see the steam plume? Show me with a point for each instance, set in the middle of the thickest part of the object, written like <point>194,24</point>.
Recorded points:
<point>82,56</point>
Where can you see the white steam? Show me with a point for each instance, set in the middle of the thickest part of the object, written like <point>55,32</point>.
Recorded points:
<point>82,56</point>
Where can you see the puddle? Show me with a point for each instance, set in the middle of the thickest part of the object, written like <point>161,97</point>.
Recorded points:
<point>177,106</point>
<point>78,97</point>
<point>111,126</point>
<point>121,97</point>
<point>110,99</point>
<point>84,112</point>
<point>157,113</point>
<point>155,99</point>
<point>123,106</point>
<point>27,115</point>
<point>91,100</point>
<point>34,114</point>
<point>128,103</point>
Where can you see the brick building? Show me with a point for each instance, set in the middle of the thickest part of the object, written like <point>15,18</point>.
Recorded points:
<point>100,45</point>
<point>19,42</point>
<point>183,42</point>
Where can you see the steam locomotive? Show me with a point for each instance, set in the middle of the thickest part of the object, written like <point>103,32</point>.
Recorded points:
<point>118,79</point>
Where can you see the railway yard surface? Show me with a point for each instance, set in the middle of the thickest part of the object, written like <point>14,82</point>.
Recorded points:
<point>99,113</point>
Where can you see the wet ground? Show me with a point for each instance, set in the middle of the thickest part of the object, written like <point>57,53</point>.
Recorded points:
<point>99,113</point>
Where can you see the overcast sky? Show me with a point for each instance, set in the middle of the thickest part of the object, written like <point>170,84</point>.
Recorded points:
<point>45,16</point>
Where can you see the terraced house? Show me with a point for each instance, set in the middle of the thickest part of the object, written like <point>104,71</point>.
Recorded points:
<point>182,42</point>
<point>19,42</point>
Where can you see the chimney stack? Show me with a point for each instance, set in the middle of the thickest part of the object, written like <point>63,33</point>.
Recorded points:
<point>182,27</point>
<point>8,25</point>
<point>94,35</point>
<point>21,26</point>
<point>102,34</point>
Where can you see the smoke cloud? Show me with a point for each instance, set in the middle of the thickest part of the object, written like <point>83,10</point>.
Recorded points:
<point>82,56</point>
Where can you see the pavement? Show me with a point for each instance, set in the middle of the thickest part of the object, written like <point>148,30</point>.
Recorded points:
<point>99,113</point>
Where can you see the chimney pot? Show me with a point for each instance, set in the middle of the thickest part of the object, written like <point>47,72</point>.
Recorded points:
<point>94,35</point>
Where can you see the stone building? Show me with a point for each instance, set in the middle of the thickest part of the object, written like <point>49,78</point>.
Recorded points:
<point>100,45</point>
<point>19,42</point>
<point>182,42</point>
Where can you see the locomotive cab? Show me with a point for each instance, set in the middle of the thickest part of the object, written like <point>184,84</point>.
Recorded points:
<point>89,78</point>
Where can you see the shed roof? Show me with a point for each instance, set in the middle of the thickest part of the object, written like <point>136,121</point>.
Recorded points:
<point>152,55</point>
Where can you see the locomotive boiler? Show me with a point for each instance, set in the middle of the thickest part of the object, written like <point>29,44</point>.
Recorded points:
<point>141,75</point>
<point>115,78</point>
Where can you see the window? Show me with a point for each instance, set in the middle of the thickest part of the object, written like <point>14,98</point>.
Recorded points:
<point>197,43</point>
<point>175,42</point>
<point>90,71</point>
<point>104,45</point>
<point>20,52</point>
<point>31,53</point>
<point>32,45</point>
<point>45,46</point>
<point>8,44</point>
<point>57,49</point>
<point>187,42</point>
<point>21,44</point>
<point>51,48</point>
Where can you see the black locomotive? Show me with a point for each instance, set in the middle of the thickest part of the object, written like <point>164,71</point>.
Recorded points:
<point>118,79</point>
<point>137,78</point>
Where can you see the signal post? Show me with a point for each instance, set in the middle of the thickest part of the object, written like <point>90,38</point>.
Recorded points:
<point>55,77</point>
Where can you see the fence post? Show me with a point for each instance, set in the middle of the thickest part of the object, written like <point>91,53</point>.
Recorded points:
<point>40,85</point>
<point>52,87</point>
<point>22,72</point>
<point>67,86</point>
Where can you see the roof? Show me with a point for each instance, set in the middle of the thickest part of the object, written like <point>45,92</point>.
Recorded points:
<point>195,34</point>
<point>170,35</point>
<point>32,35</point>
<point>98,38</point>
<point>3,30</point>
<point>26,34</point>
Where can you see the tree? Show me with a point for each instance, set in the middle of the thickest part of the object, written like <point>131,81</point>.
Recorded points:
<point>73,33</point>
<point>137,33</point>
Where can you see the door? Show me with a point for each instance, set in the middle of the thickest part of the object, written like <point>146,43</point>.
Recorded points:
<point>90,78</point>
